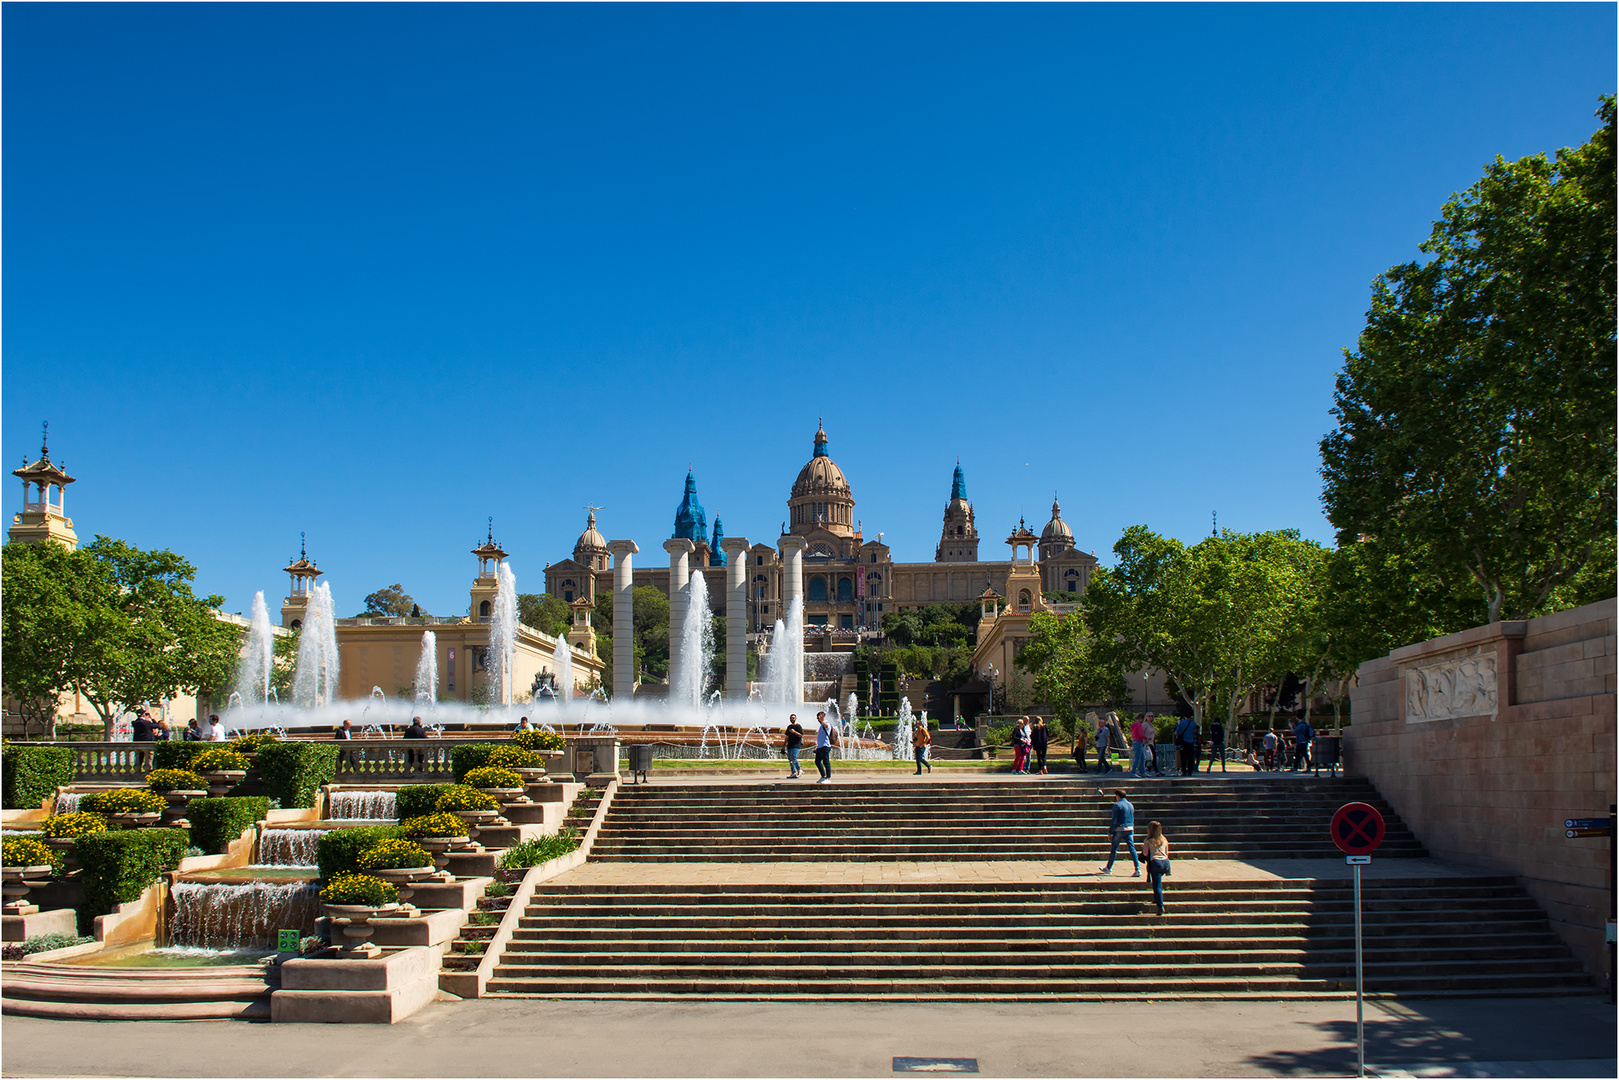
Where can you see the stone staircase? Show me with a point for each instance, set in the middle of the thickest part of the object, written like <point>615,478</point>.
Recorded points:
<point>1092,940</point>
<point>1206,818</point>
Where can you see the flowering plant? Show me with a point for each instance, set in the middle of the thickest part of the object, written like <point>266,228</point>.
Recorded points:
<point>491,777</point>
<point>25,851</point>
<point>218,759</point>
<point>394,855</point>
<point>535,739</point>
<point>74,825</point>
<point>358,889</point>
<point>435,825</point>
<point>161,780</point>
<point>464,797</point>
<point>124,801</point>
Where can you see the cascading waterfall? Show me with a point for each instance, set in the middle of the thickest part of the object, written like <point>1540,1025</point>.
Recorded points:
<point>67,802</point>
<point>314,678</point>
<point>289,847</point>
<point>257,668</point>
<point>695,657</point>
<point>361,805</point>
<point>427,674</point>
<point>241,916</point>
<point>562,667</point>
<point>503,634</point>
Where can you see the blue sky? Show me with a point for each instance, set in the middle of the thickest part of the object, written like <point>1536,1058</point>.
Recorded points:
<point>376,273</point>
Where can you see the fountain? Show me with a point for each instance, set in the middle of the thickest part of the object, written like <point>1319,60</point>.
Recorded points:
<point>427,674</point>
<point>904,728</point>
<point>289,847</point>
<point>562,666</point>
<point>257,668</point>
<point>314,677</point>
<point>784,664</point>
<point>361,806</point>
<point>240,915</point>
<point>695,656</point>
<point>67,802</point>
<point>503,634</point>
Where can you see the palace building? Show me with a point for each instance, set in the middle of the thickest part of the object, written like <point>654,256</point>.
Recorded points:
<point>850,581</point>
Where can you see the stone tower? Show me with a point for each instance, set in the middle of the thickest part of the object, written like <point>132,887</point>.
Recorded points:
<point>958,541</point>
<point>43,519</point>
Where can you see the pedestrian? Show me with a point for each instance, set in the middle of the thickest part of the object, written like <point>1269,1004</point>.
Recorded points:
<point>1302,736</point>
<point>1104,735</point>
<point>193,731</point>
<point>1186,745</point>
<point>1020,746</point>
<point>795,740</point>
<point>347,756</point>
<point>143,730</point>
<point>523,724</point>
<point>416,760</point>
<point>1041,742</point>
<point>1216,744</point>
<point>1270,751</point>
<point>921,739</point>
<point>216,730</point>
<point>825,739</point>
<point>1141,736</point>
<point>1121,829</point>
<point>1157,852</point>
<point>1081,744</point>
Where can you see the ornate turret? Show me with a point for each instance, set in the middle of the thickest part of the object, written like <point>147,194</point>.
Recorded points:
<point>716,550</point>
<point>303,573</point>
<point>691,523</point>
<point>958,540</point>
<point>590,550</point>
<point>820,498</point>
<point>1056,537</point>
<point>42,519</point>
<point>487,584</point>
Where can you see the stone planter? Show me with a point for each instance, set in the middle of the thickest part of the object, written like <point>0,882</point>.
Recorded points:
<point>175,815</point>
<point>15,881</point>
<point>476,819</point>
<point>68,846</point>
<point>133,821</point>
<point>441,846</point>
<point>505,795</point>
<point>222,780</point>
<point>531,776</point>
<point>401,878</point>
<point>355,920</point>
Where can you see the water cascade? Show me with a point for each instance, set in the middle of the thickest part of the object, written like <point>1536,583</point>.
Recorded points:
<point>562,666</point>
<point>361,806</point>
<point>257,668</point>
<point>903,730</point>
<point>784,674</point>
<point>67,802</point>
<point>241,916</point>
<point>314,677</point>
<point>696,653</point>
<point>427,674</point>
<point>289,847</point>
<point>503,634</point>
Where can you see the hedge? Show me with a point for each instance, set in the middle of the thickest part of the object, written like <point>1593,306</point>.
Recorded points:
<point>31,774</point>
<point>118,866</point>
<point>417,800</point>
<point>468,756</point>
<point>294,771</point>
<point>216,822</point>
<point>177,753</point>
<point>339,850</point>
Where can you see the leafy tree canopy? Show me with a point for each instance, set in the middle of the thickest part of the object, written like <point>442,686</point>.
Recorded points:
<point>391,601</point>
<point>546,613</point>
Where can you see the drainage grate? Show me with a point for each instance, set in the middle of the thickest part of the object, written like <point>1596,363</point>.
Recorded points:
<point>941,1065</point>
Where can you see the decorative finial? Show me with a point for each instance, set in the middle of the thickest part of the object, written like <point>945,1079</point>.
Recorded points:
<point>1214,526</point>
<point>45,441</point>
<point>303,548</point>
<point>491,528</point>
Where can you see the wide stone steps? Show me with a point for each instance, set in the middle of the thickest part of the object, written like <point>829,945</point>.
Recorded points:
<point>83,992</point>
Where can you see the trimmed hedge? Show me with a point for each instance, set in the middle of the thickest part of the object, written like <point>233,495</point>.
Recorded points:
<point>177,754</point>
<point>468,756</point>
<point>294,771</point>
<point>216,822</point>
<point>31,774</point>
<point>118,866</point>
<point>339,850</point>
<point>417,800</point>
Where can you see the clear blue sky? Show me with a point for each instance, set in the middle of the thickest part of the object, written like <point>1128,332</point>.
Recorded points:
<point>379,272</point>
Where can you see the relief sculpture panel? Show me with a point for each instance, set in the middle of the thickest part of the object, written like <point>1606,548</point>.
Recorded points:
<point>1453,687</point>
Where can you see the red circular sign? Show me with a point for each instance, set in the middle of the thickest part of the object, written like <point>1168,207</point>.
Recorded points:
<point>1357,828</point>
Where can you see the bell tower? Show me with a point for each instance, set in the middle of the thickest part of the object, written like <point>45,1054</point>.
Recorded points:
<point>487,584</point>
<point>43,519</point>
<point>958,541</point>
<point>303,574</point>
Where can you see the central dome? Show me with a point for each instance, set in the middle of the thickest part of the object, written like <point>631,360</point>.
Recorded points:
<point>820,497</point>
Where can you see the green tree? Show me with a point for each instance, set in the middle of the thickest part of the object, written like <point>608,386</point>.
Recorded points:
<point>1475,434</point>
<point>38,615</point>
<point>1071,668</point>
<point>546,613</point>
<point>391,601</point>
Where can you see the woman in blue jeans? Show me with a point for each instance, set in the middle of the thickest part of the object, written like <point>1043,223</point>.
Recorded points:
<point>1157,850</point>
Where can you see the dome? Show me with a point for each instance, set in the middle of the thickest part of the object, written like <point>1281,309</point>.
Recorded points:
<point>1057,528</point>
<point>820,497</point>
<point>590,542</point>
<point>821,475</point>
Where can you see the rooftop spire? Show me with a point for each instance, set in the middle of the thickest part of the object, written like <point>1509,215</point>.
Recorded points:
<point>820,437</point>
<point>958,485</point>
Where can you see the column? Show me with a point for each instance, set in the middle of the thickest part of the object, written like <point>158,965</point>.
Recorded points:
<point>679,574</point>
<point>623,618</point>
<point>736,618</point>
<point>792,558</point>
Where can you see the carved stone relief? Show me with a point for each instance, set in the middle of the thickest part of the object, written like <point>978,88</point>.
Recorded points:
<point>1453,687</point>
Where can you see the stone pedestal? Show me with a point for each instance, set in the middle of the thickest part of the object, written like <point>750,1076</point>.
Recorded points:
<point>335,991</point>
<point>23,927</point>
<point>736,618</point>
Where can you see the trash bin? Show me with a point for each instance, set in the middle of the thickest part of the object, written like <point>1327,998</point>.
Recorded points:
<point>640,762</point>
<point>1326,751</point>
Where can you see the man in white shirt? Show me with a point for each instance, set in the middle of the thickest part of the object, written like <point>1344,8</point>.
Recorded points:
<point>216,730</point>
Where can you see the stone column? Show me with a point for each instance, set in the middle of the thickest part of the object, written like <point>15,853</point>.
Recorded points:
<point>736,618</point>
<point>679,574</point>
<point>792,558</point>
<point>623,618</point>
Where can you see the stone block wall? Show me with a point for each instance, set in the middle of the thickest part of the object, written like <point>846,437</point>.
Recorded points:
<point>1484,741</point>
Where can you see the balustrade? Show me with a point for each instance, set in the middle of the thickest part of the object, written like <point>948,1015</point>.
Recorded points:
<point>366,757</point>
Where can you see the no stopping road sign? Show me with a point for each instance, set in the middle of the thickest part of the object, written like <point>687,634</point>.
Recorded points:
<point>1357,828</point>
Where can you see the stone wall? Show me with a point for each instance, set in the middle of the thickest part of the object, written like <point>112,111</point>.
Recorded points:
<point>1484,741</point>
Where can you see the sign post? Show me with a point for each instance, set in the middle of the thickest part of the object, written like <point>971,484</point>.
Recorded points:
<point>1575,828</point>
<point>1358,828</point>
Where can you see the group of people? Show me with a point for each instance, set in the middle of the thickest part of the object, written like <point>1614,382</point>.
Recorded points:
<point>1190,740</point>
<point>826,737</point>
<point>1030,741</point>
<point>1155,849</point>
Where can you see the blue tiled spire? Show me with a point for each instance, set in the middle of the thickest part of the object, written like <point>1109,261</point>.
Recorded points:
<point>716,553</point>
<point>958,488</point>
<point>691,523</point>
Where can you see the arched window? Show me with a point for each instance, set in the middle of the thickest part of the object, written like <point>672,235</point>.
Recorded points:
<point>483,609</point>
<point>817,590</point>
<point>845,590</point>
<point>296,623</point>
<point>1024,603</point>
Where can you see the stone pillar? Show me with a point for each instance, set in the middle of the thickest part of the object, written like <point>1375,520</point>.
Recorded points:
<point>679,574</point>
<point>792,570</point>
<point>623,618</point>
<point>736,618</point>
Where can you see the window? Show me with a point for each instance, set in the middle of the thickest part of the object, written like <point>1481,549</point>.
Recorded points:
<point>761,561</point>
<point>296,623</point>
<point>1073,586</point>
<point>567,596</point>
<point>483,609</point>
<point>817,590</point>
<point>816,620</point>
<point>845,591</point>
<point>761,592</point>
<point>1024,603</point>
<point>846,622</point>
<point>874,556</point>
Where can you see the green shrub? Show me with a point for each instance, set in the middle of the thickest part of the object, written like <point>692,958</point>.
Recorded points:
<point>252,744</point>
<point>515,757</point>
<point>25,851</point>
<point>218,759</point>
<point>358,889</point>
<point>177,754</point>
<point>46,942</point>
<point>119,865</point>
<point>418,828</point>
<point>394,855</point>
<point>417,799</point>
<point>468,756</point>
<point>216,822</point>
<point>535,739</point>
<point>464,797</point>
<point>539,850</point>
<point>294,771</point>
<point>31,774</point>
<point>124,801</point>
<point>491,777</point>
<point>77,824</point>
<point>339,851</point>
<point>162,780</point>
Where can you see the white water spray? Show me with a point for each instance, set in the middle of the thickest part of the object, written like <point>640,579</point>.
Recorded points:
<point>254,674</point>
<point>314,678</point>
<point>503,634</point>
